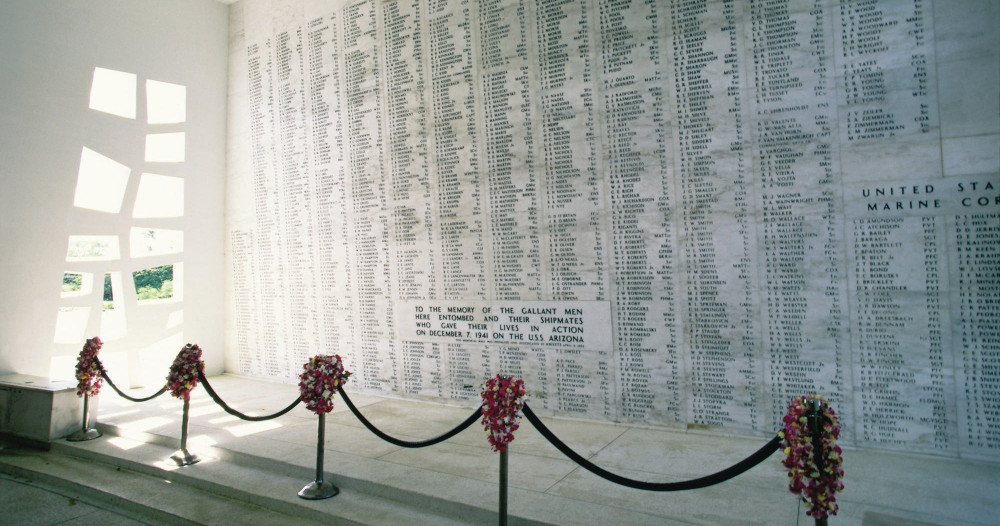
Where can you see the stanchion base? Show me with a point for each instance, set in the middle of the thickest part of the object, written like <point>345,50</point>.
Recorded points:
<point>318,490</point>
<point>84,434</point>
<point>185,458</point>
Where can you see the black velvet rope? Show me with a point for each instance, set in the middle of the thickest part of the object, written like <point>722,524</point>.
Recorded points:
<point>403,443</point>
<point>225,407</point>
<point>709,480</point>
<point>702,482</point>
<point>104,374</point>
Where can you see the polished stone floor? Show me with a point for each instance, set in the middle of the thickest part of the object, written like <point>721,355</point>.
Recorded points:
<point>546,486</point>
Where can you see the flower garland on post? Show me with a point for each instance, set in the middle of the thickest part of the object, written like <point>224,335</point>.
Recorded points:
<point>816,487</point>
<point>321,376</point>
<point>503,398</point>
<point>89,379</point>
<point>183,377</point>
<point>88,369</point>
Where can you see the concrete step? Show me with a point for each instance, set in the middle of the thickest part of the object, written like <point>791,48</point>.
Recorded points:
<point>372,491</point>
<point>133,474</point>
<point>266,463</point>
<point>143,497</point>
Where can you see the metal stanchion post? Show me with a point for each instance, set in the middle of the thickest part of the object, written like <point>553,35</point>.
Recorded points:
<point>86,432</point>
<point>816,429</point>
<point>319,488</point>
<point>503,488</point>
<point>184,457</point>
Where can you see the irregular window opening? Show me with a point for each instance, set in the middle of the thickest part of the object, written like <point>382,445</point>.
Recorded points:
<point>77,284</point>
<point>155,283</point>
<point>93,248</point>
<point>146,242</point>
<point>109,293</point>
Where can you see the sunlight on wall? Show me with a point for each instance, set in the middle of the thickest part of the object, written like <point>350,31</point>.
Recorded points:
<point>157,357</point>
<point>113,312</point>
<point>165,147</point>
<point>113,92</point>
<point>63,368</point>
<point>71,324</point>
<point>103,186</point>
<point>101,182</point>
<point>159,196</point>
<point>175,319</point>
<point>166,103</point>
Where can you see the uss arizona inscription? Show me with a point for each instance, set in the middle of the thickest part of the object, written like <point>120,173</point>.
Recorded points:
<point>564,324</point>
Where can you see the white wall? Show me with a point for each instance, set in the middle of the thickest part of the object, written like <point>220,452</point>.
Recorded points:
<point>48,52</point>
<point>716,199</point>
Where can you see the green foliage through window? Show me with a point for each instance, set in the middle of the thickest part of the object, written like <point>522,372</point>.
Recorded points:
<point>109,295</point>
<point>72,282</point>
<point>88,248</point>
<point>154,283</point>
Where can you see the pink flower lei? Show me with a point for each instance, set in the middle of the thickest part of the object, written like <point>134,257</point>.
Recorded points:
<point>503,398</point>
<point>88,369</point>
<point>816,488</point>
<point>183,376</point>
<point>321,376</point>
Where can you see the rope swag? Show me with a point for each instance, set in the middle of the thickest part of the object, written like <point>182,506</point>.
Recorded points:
<point>810,422</point>
<point>409,443</point>
<point>183,376</point>
<point>503,398</point>
<point>88,368</point>
<point>816,485</point>
<point>225,407</point>
<point>104,374</point>
<point>321,376</point>
<point>739,468</point>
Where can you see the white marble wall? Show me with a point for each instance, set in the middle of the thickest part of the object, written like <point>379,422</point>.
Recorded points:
<point>678,213</point>
<point>49,52</point>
